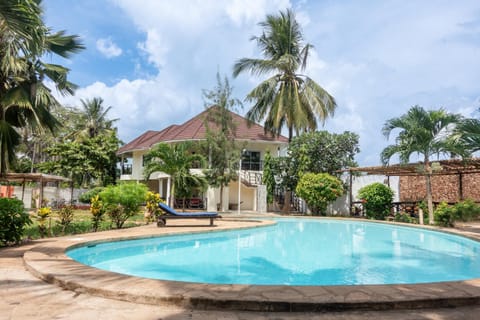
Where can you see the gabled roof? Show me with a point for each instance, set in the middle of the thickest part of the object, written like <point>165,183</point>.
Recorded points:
<point>194,129</point>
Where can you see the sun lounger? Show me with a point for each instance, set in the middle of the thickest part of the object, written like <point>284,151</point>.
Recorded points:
<point>170,213</point>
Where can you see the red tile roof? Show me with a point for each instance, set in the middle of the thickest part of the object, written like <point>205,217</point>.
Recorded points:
<point>194,129</point>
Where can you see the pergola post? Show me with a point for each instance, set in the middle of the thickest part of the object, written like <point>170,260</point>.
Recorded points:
<point>40,196</point>
<point>71,192</point>
<point>23,189</point>
<point>460,186</point>
<point>350,192</point>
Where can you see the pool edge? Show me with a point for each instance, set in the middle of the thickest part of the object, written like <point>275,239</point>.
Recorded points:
<point>50,263</point>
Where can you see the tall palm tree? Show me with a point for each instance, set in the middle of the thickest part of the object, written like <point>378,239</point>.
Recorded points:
<point>94,118</point>
<point>467,134</point>
<point>287,98</point>
<point>422,132</point>
<point>24,100</point>
<point>176,161</point>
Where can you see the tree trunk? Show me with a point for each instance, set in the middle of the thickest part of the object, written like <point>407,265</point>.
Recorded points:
<point>172,193</point>
<point>290,134</point>
<point>221,197</point>
<point>287,203</point>
<point>3,159</point>
<point>428,182</point>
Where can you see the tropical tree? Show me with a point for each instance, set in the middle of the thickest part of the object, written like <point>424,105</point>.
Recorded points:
<point>314,152</point>
<point>93,119</point>
<point>91,160</point>
<point>318,189</point>
<point>323,152</point>
<point>35,144</point>
<point>425,133</point>
<point>25,101</point>
<point>287,98</point>
<point>467,135</point>
<point>176,161</point>
<point>223,151</point>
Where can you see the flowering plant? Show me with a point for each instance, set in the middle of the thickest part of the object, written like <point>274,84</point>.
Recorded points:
<point>152,200</point>
<point>97,211</point>
<point>42,214</point>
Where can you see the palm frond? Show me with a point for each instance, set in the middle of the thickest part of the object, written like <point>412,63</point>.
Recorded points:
<point>63,45</point>
<point>256,67</point>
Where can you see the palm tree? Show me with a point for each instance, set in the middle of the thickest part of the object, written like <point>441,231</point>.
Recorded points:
<point>94,119</point>
<point>422,132</point>
<point>24,100</point>
<point>467,134</point>
<point>286,98</point>
<point>176,161</point>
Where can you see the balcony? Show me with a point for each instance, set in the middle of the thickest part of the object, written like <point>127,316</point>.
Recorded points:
<point>252,165</point>
<point>126,169</point>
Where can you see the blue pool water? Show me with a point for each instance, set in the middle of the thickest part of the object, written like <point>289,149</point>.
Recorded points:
<point>294,252</point>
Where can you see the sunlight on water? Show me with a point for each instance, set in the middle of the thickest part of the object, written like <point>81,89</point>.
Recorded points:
<point>294,252</point>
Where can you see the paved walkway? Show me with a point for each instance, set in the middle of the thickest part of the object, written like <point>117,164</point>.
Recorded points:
<point>23,296</point>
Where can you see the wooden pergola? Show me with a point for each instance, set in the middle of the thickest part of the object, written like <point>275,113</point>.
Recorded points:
<point>40,178</point>
<point>440,167</point>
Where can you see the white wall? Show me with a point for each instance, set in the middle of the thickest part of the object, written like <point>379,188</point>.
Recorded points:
<point>30,195</point>
<point>137,165</point>
<point>341,205</point>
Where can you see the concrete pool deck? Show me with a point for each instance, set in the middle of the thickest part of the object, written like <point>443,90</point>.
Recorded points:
<point>47,261</point>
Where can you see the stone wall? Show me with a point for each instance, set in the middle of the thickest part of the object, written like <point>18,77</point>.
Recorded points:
<point>444,187</point>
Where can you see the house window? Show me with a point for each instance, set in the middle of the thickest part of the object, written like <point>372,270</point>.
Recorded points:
<point>251,161</point>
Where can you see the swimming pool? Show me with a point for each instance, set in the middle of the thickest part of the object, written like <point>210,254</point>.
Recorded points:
<point>294,252</point>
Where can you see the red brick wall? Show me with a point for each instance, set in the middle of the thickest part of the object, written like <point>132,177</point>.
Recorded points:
<point>444,188</point>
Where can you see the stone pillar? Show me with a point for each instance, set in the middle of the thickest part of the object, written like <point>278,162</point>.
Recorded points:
<point>168,200</point>
<point>160,187</point>
<point>211,200</point>
<point>226,199</point>
<point>261,198</point>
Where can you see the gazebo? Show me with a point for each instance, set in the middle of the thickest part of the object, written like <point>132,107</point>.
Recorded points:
<point>456,167</point>
<point>40,178</point>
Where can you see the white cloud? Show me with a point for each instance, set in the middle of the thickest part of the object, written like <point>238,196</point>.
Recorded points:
<point>252,11</point>
<point>108,48</point>
<point>376,59</point>
<point>140,105</point>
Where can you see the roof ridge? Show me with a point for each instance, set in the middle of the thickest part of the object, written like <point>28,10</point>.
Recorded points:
<point>195,129</point>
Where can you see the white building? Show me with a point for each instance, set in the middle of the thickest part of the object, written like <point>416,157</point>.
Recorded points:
<point>256,144</point>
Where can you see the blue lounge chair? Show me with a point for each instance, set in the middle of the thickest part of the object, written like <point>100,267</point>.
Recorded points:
<point>170,213</point>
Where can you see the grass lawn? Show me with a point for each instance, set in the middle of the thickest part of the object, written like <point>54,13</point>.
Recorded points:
<point>81,223</point>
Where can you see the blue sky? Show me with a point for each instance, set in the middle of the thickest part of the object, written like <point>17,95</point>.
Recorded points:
<point>151,59</point>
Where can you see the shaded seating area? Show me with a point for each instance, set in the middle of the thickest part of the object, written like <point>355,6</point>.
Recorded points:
<point>170,213</point>
<point>189,203</point>
<point>453,180</point>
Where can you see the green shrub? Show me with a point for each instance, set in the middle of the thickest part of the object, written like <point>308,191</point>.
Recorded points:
<point>123,201</point>
<point>318,190</point>
<point>13,220</point>
<point>87,196</point>
<point>445,215</point>
<point>65,215</point>
<point>377,199</point>
<point>467,210</point>
<point>403,217</point>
